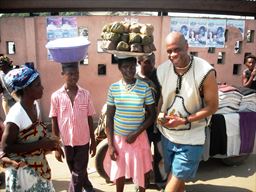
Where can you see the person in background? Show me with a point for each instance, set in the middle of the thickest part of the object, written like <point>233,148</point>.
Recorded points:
<point>249,74</point>
<point>71,112</point>
<point>25,139</point>
<point>189,97</point>
<point>7,98</point>
<point>147,72</point>
<point>129,154</point>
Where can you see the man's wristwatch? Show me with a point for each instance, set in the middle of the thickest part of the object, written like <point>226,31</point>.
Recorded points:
<point>186,120</point>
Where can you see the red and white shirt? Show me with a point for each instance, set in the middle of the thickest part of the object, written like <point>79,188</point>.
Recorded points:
<point>72,120</point>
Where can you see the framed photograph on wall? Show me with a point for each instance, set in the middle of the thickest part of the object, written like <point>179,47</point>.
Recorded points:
<point>102,69</point>
<point>10,47</point>
<point>99,45</point>
<point>85,61</point>
<point>83,31</point>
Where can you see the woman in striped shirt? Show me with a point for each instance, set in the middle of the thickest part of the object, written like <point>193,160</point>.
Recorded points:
<point>130,111</point>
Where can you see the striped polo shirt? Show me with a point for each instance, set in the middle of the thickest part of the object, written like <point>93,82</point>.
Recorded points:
<point>130,105</point>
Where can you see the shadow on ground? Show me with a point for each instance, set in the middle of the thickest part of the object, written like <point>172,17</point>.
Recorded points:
<point>213,188</point>
<point>214,169</point>
<point>60,185</point>
<point>63,186</point>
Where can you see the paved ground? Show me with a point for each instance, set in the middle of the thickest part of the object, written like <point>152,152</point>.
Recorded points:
<point>213,176</point>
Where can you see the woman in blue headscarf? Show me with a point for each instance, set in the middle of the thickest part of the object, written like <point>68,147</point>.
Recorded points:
<point>25,138</point>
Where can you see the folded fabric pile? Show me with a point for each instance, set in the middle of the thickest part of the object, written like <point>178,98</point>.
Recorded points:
<point>234,99</point>
<point>229,99</point>
<point>232,134</point>
<point>232,127</point>
<point>248,102</point>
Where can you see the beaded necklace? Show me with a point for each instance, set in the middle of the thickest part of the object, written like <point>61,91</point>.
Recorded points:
<point>128,86</point>
<point>179,80</point>
<point>182,68</point>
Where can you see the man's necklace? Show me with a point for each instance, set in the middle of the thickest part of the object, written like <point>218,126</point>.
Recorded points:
<point>182,68</point>
<point>179,79</point>
<point>187,66</point>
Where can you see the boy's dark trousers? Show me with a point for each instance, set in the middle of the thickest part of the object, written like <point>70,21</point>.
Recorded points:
<point>77,160</point>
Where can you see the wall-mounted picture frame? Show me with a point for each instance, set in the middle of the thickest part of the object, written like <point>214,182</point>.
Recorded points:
<point>99,45</point>
<point>83,31</point>
<point>11,49</point>
<point>102,69</point>
<point>85,61</point>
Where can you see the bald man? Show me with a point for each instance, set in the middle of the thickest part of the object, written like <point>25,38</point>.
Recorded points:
<point>189,97</point>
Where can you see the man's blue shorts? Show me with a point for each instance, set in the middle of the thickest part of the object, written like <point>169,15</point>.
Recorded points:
<point>181,160</point>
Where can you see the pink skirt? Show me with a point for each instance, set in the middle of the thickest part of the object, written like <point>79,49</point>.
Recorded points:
<point>134,159</point>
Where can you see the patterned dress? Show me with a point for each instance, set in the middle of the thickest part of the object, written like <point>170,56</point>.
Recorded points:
<point>36,175</point>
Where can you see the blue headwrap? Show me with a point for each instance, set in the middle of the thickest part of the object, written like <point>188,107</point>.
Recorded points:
<point>20,78</point>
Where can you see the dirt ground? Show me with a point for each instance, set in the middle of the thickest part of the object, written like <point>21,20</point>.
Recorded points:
<point>212,176</point>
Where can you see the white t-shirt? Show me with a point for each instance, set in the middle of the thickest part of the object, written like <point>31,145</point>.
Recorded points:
<point>18,115</point>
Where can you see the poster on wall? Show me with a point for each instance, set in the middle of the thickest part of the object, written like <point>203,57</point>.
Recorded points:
<point>83,31</point>
<point>239,24</point>
<point>201,32</point>
<point>60,27</point>
<point>197,32</point>
<point>69,27</point>
<point>54,28</point>
<point>216,33</point>
<point>180,24</point>
<point>100,45</point>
